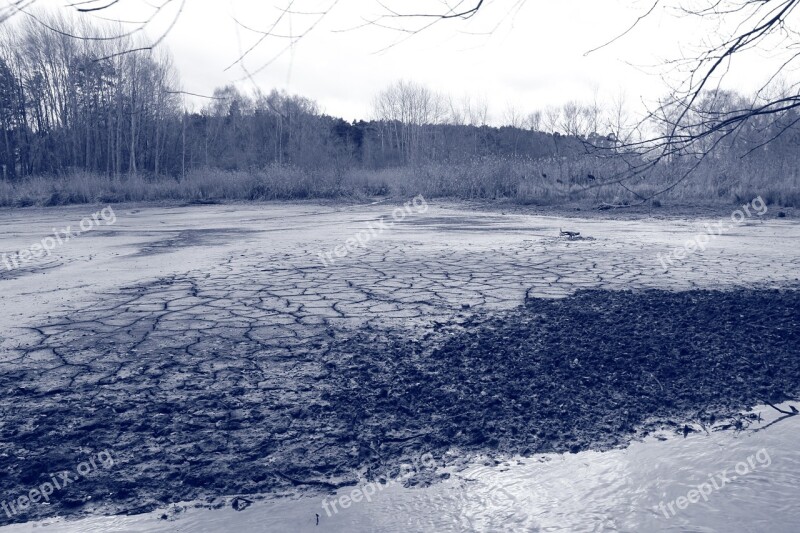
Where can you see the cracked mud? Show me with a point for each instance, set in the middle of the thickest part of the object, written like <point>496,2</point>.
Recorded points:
<point>268,372</point>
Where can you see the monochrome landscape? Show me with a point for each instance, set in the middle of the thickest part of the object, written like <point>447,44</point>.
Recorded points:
<point>543,285</point>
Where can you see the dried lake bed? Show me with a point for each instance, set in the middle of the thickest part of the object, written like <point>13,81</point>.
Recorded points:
<point>215,353</point>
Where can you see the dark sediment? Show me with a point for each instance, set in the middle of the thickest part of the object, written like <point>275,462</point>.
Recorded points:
<point>590,371</point>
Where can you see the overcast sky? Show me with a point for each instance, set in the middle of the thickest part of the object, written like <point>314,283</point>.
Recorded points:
<point>527,54</point>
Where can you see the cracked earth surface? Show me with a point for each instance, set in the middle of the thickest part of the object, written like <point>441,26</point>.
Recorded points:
<point>208,376</point>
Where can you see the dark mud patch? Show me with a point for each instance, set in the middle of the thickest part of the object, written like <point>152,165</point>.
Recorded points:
<point>193,237</point>
<point>188,418</point>
<point>590,371</point>
<point>38,266</point>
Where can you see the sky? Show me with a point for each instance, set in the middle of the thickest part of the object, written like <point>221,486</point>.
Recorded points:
<point>516,54</point>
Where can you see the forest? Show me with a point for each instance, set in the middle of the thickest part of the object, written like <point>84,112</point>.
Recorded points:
<point>91,118</point>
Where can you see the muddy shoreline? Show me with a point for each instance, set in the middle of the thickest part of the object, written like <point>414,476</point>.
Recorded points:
<point>583,210</point>
<point>592,371</point>
<point>667,211</point>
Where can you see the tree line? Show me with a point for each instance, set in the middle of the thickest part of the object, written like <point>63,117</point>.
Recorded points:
<point>75,96</point>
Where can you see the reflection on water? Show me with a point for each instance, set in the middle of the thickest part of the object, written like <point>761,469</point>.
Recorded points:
<point>618,490</point>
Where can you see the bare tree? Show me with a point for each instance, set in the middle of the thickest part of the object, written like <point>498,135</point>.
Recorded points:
<point>686,123</point>
<point>551,119</point>
<point>572,119</point>
<point>479,112</point>
<point>407,109</point>
<point>81,103</point>
<point>534,120</point>
<point>620,123</point>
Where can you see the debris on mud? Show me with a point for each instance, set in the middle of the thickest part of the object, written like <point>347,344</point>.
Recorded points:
<point>589,371</point>
<point>569,234</point>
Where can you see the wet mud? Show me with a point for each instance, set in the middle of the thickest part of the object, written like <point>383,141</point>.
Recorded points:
<point>210,403</point>
<point>590,371</point>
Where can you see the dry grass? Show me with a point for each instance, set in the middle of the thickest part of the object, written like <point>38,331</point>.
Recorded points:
<point>556,182</point>
<point>538,182</point>
<point>272,183</point>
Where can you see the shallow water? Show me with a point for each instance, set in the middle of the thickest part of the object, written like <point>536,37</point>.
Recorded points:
<point>619,490</point>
